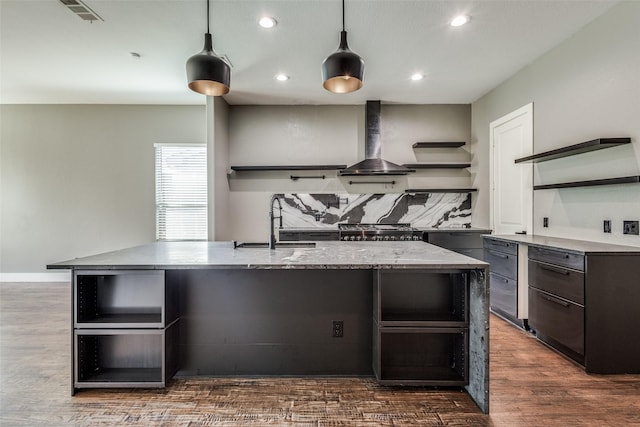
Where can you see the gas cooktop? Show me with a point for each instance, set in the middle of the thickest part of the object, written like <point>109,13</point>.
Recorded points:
<point>378,232</point>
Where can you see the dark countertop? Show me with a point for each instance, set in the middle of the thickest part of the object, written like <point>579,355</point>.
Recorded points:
<point>325,255</point>
<point>579,246</point>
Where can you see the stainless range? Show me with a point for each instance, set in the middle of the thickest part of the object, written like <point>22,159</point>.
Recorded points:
<point>379,232</point>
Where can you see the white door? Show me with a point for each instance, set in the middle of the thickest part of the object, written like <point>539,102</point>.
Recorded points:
<point>511,137</point>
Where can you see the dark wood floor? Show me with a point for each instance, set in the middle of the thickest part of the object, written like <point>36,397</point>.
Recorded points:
<point>530,386</point>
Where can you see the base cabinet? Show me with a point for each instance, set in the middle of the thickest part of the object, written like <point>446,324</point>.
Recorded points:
<point>503,258</point>
<point>557,322</point>
<point>465,242</point>
<point>433,356</point>
<point>125,329</point>
<point>582,299</point>
<point>421,327</point>
<point>556,299</point>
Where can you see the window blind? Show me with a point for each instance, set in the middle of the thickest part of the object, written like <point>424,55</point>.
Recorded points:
<point>181,191</point>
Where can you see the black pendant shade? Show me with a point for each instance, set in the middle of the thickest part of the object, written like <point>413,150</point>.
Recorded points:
<point>207,73</point>
<point>343,70</point>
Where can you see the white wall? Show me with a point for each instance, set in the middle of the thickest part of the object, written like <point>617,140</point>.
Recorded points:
<point>218,166</point>
<point>313,135</point>
<point>587,87</point>
<point>77,180</point>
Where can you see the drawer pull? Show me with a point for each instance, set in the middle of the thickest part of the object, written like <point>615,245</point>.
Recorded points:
<point>499,255</point>
<point>555,300</point>
<point>555,270</point>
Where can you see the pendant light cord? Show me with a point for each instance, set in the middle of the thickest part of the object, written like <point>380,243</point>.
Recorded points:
<point>208,17</point>
<point>342,15</point>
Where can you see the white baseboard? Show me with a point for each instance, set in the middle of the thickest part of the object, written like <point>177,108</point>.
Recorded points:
<point>60,276</point>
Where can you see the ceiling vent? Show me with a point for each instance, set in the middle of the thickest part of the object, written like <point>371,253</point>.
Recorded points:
<point>82,10</point>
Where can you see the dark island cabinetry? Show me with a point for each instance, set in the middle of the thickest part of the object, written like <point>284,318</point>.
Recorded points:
<point>124,328</point>
<point>421,327</point>
<point>145,314</point>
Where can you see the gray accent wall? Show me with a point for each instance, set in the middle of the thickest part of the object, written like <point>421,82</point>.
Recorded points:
<point>79,179</point>
<point>588,87</point>
<point>316,135</point>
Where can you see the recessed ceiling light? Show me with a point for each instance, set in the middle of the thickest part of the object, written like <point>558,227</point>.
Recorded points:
<point>282,77</point>
<point>417,76</point>
<point>267,22</point>
<point>460,20</point>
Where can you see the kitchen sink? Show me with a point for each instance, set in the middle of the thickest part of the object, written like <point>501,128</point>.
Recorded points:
<point>237,245</point>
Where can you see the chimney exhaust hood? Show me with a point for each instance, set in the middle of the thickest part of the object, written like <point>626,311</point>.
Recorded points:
<point>373,164</point>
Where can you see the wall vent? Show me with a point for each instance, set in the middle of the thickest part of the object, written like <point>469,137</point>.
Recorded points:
<point>82,10</point>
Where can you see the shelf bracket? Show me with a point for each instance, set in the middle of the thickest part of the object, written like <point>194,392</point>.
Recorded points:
<point>297,177</point>
<point>372,182</point>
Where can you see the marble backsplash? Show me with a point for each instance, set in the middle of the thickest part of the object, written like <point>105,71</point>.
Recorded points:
<point>421,210</point>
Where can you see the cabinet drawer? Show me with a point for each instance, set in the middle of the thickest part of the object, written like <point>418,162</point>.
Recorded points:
<point>456,240</point>
<point>560,281</point>
<point>558,257</point>
<point>558,319</point>
<point>501,246</point>
<point>504,294</point>
<point>501,263</point>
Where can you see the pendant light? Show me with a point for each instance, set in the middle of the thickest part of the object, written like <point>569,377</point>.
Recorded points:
<point>207,73</point>
<point>343,70</point>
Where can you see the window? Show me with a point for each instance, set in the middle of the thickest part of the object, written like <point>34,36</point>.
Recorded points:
<point>181,191</point>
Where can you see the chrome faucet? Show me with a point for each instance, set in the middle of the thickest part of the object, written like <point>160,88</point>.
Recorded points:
<point>272,232</point>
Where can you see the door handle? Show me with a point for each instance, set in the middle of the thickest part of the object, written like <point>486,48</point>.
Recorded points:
<point>555,270</point>
<point>521,232</point>
<point>498,255</point>
<point>555,300</point>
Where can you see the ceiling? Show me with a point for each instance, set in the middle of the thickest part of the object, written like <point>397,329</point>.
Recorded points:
<point>51,56</point>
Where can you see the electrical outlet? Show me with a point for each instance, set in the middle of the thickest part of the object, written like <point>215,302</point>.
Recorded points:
<point>606,226</point>
<point>338,328</point>
<point>630,227</point>
<point>545,222</point>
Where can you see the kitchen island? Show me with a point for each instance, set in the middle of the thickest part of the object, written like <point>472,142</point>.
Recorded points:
<point>410,314</point>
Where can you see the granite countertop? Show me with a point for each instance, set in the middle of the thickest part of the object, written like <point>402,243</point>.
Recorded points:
<point>578,246</point>
<point>428,229</point>
<point>333,255</point>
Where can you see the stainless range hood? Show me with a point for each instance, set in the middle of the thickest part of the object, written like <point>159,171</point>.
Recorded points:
<point>373,164</point>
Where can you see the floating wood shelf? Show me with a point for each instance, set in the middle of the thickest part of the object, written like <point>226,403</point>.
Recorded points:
<point>440,190</point>
<point>287,168</point>
<point>590,183</point>
<point>571,150</point>
<point>438,144</point>
<point>457,165</point>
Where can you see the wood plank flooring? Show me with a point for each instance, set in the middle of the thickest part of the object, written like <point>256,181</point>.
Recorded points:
<point>530,386</point>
